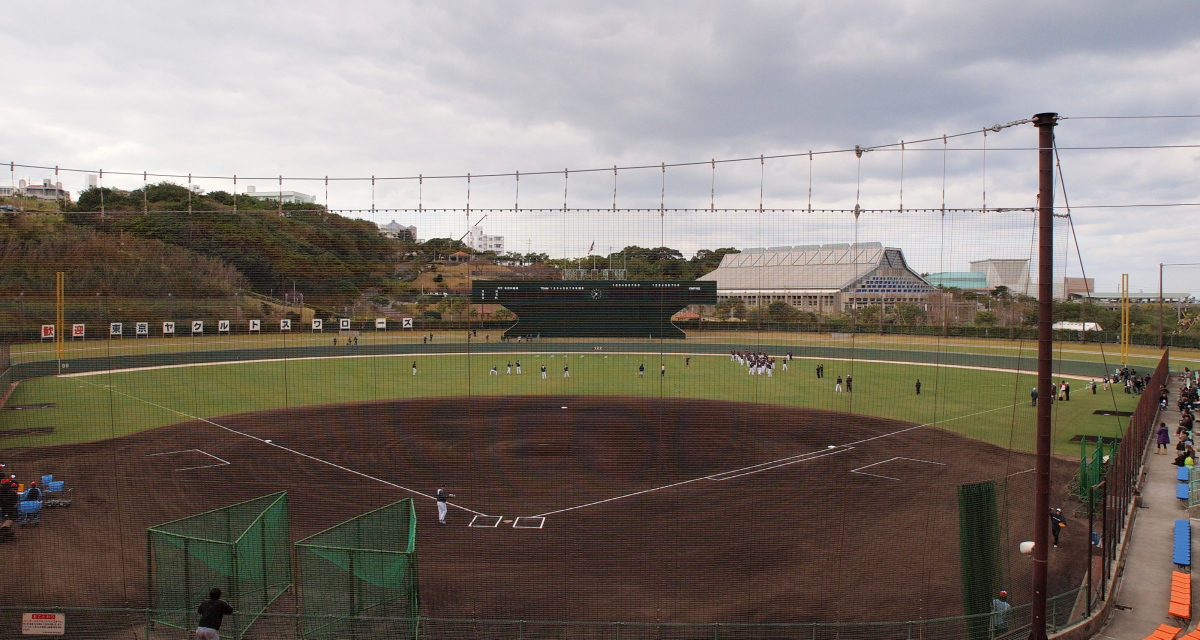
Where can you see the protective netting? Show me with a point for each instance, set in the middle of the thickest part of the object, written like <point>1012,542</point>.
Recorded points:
<point>242,549</point>
<point>359,578</point>
<point>790,467</point>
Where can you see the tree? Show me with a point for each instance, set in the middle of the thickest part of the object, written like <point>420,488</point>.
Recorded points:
<point>986,319</point>
<point>909,314</point>
<point>731,308</point>
<point>780,311</point>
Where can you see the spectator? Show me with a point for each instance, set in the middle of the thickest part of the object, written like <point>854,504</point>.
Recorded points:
<point>1164,438</point>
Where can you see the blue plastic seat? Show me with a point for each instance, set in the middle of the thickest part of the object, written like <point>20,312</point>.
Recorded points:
<point>29,512</point>
<point>1182,474</point>
<point>1181,491</point>
<point>1182,547</point>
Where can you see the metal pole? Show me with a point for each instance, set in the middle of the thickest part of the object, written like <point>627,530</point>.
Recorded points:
<point>1091,509</point>
<point>1160,306</point>
<point>1045,123</point>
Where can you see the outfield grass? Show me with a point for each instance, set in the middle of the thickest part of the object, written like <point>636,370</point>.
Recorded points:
<point>993,406</point>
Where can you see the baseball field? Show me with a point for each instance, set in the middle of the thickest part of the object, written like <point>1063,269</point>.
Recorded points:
<point>703,495</point>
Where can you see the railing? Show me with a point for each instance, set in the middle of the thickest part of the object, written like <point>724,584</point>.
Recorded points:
<point>82,622</point>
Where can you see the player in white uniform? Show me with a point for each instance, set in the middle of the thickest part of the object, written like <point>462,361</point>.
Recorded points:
<point>442,496</point>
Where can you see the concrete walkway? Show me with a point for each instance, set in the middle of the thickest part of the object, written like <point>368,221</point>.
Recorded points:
<point>1143,592</point>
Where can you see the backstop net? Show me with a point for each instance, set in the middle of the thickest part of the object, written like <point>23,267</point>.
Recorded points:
<point>359,578</point>
<point>241,549</point>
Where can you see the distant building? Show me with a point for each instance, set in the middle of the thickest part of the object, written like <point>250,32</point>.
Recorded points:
<point>48,190</point>
<point>821,278</point>
<point>1010,273</point>
<point>480,242</point>
<point>1079,286</point>
<point>288,197</point>
<point>965,280</point>
<point>396,230</point>
<point>1112,299</point>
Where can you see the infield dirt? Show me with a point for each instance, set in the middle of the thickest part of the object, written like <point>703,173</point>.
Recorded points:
<point>865,531</point>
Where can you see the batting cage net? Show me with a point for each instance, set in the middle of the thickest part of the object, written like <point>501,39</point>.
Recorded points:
<point>242,549</point>
<point>359,578</point>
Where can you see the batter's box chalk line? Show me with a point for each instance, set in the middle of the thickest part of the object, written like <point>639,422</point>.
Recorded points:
<point>875,464</point>
<point>490,522</point>
<point>529,522</point>
<point>219,462</point>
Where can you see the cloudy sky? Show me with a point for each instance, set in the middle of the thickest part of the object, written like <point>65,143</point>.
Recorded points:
<point>400,89</point>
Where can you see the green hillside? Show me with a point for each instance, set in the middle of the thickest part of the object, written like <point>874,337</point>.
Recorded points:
<point>329,257</point>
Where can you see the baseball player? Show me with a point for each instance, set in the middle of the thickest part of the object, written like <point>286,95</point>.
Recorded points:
<point>543,372</point>
<point>442,496</point>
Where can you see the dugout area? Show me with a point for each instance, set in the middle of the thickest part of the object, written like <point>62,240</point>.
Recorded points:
<point>654,510</point>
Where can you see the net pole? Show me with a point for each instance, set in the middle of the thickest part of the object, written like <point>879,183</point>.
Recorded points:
<point>1045,123</point>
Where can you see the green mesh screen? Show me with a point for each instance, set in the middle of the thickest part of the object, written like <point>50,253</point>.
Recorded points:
<point>1092,467</point>
<point>359,572</point>
<point>241,548</point>
<point>979,548</point>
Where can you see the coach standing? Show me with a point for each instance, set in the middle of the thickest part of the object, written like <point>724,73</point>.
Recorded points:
<point>442,496</point>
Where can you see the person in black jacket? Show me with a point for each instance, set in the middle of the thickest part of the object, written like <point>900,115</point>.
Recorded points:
<point>34,494</point>
<point>211,612</point>
<point>8,500</point>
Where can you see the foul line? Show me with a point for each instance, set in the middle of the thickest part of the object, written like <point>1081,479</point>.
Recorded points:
<point>812,455</point>
<point>293,451</point>
<point>775,464</point>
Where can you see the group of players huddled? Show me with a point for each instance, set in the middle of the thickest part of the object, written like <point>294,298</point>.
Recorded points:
<point>758,363</point>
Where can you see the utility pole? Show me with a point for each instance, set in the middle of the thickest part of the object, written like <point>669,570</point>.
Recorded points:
<point>1045,123</point>
<point>1160,305</point>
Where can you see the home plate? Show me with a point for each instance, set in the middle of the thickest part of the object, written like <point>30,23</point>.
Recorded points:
<point>564,407</point>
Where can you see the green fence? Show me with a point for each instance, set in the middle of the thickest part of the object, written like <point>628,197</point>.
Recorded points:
<point>1092,467</point>
<point>366,564</point>
<point>243,549</point>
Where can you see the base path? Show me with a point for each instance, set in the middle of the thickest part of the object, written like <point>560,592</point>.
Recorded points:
<point>1144,590</point>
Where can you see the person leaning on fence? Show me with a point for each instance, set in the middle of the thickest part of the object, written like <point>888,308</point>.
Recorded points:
<point>1000,608</point>
<point>211,612</point>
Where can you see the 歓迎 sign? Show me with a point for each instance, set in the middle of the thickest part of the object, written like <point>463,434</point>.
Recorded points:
<point>47,331</point>
<point>77,330</point>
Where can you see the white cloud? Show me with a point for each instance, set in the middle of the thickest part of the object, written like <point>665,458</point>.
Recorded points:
<point>388,89</point>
